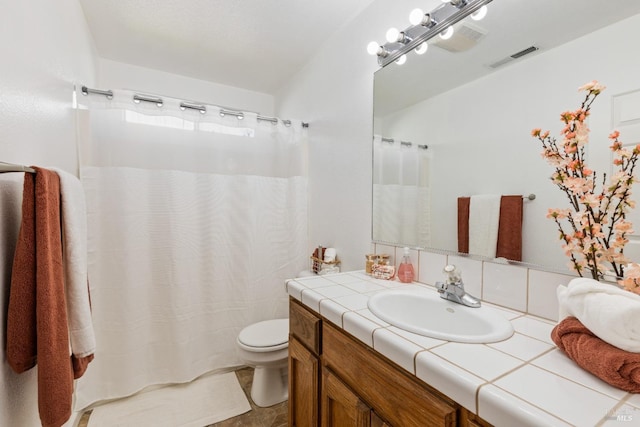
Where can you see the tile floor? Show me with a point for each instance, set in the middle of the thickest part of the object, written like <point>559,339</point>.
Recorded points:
<point>273,416</point>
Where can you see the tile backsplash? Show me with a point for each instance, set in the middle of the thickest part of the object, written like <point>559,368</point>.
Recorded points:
<point>513,286</point>
<point>505,285</point>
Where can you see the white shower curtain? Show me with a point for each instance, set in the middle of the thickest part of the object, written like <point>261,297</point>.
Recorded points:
<point>195,221</point>
<point>401,195</point>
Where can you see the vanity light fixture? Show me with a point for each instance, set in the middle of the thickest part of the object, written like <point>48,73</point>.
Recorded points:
<point>422,48</point>
<point>392,35</point>
<point>418,17</point>
<point>447,34</point>
<point>479,14</point>
<point>401,60</point>
<point>423,27</point>
<point>375,49</point>
<point>395,36</point>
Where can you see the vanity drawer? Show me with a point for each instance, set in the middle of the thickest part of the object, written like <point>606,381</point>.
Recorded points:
<point>306,326</point>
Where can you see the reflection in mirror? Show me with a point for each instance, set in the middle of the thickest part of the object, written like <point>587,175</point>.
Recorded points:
<point>401,192</point>
<point>474,107</point>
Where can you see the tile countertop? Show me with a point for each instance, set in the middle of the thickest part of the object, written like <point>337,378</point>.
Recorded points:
<point>524,380</point>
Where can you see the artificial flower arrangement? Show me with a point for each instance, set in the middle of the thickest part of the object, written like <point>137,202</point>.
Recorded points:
<point>594,228</point>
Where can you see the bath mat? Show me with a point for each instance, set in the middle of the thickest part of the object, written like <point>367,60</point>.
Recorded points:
<point>202,402</point>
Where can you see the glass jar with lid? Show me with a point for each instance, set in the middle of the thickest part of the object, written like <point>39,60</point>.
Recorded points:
<point>370,260</point>
<point>383,259</point>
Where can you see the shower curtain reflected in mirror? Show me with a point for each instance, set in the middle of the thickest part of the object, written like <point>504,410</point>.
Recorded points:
<point>401,195</point>
<point>195,222</point>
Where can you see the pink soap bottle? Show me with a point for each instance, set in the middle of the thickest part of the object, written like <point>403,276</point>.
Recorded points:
<point>405,270</point>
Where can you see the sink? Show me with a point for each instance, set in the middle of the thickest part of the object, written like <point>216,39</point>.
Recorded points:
<point>425,313</point>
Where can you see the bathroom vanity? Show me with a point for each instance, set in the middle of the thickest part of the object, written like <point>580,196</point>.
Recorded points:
<point>337,380</point>
<point>348,367</point>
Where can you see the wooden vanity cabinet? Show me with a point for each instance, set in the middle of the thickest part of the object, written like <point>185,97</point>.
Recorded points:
<point>304,366</point>
<point>337,381</point>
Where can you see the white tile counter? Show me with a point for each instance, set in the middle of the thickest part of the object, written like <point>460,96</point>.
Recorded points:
<point>522,381</point>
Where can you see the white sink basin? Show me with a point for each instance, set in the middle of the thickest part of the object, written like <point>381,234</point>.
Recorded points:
<point>425,313</point>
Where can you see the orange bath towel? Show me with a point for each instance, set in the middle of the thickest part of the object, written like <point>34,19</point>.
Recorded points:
<point>464,204</point>
<point>37,315</point>
<point>509,244</point>
<point>614,366</point>
<point>510,228</point>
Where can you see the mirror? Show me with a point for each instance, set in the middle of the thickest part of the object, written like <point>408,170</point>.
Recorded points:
<point>460,118</point>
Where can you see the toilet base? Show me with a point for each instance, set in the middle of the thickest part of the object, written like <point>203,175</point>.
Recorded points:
<point>270,386</point>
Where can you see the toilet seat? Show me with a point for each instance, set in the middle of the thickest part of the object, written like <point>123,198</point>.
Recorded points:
<point>268,335</point>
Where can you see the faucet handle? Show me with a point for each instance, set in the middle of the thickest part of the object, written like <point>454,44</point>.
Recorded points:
<point>454,275</point>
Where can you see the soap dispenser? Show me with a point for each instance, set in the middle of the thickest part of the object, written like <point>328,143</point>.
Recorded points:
<point>405,270</point>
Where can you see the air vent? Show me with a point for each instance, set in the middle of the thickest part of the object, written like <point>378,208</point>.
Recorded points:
<point>465,36</point>
<point>516,55</point>
<point>524,52</point>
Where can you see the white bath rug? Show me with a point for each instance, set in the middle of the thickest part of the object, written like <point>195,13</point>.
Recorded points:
<point>206,400</point>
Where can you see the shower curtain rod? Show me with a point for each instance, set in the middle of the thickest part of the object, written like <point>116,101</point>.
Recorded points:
<point>403,143</point>
<point>184,105</point>
<point>11,167</point>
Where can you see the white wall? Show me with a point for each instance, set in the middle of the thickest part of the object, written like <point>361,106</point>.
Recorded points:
<point>479,134</point>
<point>45,49</point>
<point>117,75</point>
<point>334,93</point>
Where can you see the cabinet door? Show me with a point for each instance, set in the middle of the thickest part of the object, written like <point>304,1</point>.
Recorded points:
<point>376,421</point>
<point>341,407</point>
<point>469,419</point>
<point>303,386</point>
<point>397,396</point>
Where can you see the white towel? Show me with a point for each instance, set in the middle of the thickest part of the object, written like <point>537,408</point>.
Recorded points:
<point>611,313</point>
<point>74,244</point>
<point>484,219</point>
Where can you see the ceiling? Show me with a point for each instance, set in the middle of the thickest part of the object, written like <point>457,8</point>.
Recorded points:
<point>255,45</point>
<point>511,26</point>
<point>258,45</point>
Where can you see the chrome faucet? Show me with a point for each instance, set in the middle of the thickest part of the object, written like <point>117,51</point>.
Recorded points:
<point>453,288</point>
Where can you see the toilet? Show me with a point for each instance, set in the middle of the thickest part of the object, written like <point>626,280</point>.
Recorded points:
<point>264,346</point>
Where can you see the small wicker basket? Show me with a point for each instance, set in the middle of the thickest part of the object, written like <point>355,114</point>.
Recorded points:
<point>318,265</point>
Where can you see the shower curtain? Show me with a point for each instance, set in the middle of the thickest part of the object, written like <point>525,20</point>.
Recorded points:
<point>195,222</point>
<point>401,195</point>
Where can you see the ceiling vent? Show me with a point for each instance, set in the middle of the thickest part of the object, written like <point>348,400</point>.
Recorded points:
<point>516,55</point>
<point>465,36</point>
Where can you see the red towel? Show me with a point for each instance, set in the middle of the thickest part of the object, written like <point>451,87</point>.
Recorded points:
<point>614,366</point>
<point>510,229</point>
<point>37,315</point>
<point>463,224</point>
<point>509,244</point>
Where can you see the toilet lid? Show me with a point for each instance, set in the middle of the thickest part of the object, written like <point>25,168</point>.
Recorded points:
<point>268,333</point>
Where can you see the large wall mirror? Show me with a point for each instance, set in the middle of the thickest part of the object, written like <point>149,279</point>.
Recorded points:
<point>456,121</point>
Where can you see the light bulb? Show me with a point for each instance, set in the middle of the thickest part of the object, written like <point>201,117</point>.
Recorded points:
<point>392,35</point>
<point>416,16</point>
<point>479,14</point>
<point>422,48</point>
<point>401,60</point>
<point>446,34</point>
<point>372,48</point>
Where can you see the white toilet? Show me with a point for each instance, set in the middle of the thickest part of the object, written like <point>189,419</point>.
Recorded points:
<point>265,345</point>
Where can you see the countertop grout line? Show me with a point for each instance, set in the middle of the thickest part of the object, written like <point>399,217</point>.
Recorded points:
<point>529,403</point>
<point>507,353</point>
<point>576,382</point>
